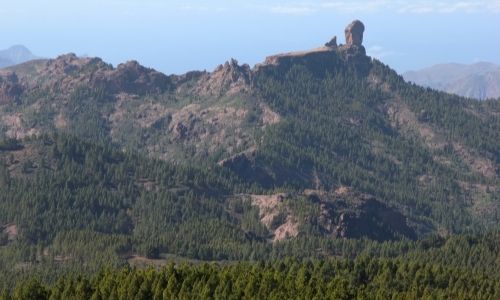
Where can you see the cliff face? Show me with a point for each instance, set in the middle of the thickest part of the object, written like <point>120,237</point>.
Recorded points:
<point>327,58</point>
<point>354,33</point>
<point>229,78</point>
<point>345,213</point>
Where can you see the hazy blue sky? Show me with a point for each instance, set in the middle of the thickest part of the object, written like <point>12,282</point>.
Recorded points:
<point>177,36</point>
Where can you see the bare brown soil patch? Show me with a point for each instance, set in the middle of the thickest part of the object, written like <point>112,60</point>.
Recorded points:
<point>16,128</point>
<point>286,230</point>
<point>343,190</point>
<point>271,207</point>
<point>11,231</point>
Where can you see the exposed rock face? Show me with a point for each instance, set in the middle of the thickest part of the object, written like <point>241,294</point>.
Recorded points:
<point>178,80</point>
<point>133,78</point>
<point>321,53</point>
<point>276,216</point>
<point>229,78</point>
<point>354,33</point>
<point>356,57</point>
<point>70,64</point>
<point>327,58</point>
<point>332,43</point>
<point>10,88</point>
<point>67,72</point>
<point>349,214</point>
<point>353,51</point>
<point>343,213</point>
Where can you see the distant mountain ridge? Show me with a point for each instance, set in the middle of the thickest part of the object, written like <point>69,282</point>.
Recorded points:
<point>480,80</point>
<point>14,55</point>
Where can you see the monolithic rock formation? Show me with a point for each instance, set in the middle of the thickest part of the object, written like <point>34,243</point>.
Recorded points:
<point>328,56</point>
<point>354,33</point>
<point>353,51</point>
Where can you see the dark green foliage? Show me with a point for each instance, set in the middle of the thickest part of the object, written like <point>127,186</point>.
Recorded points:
<point>149,208</point>
<point>334,122</point>
<point>74,201</point>
<point>363,278</point>
<point>10,145</point>
<point>77,201</point>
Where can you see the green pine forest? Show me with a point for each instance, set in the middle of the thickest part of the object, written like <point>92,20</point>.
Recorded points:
<point>94,212</point>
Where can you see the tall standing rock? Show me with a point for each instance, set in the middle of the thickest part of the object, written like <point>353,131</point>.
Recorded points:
<point>354,33</point>
<point>353,51</point>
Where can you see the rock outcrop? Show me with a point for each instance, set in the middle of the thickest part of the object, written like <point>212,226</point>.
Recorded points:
<point>70,64</point>
<point>340,214</point>
<point>324,59</point>
<point>229,78</point>
<point>349,214</point>
<point>321,54</point>
<point>67,72</point>
<point>332,43</point>
<point>353,52</point>
<point>10,88</point>
<point>131,77</point>
<point>354,33</point>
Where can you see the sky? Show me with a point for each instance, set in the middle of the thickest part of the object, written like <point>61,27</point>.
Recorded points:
<point>176,36</point>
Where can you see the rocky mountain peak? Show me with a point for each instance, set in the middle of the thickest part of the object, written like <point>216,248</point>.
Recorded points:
<point>229,78</point>
<point>353,51</point>
<point>354,33</point>
<point>68,64</point>
<point>328,57</point>
<point>133,65</point>
<point>132,77</point>
<point>70,71</point>
<point>232,67</point>
<point>332,43</point>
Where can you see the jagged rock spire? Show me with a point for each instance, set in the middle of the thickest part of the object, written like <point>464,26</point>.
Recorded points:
<point>332,43</point>
<point>354,33</point>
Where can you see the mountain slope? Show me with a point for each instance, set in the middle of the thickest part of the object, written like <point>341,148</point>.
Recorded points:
<point>317,119</point>
<point>68,205</point>
<point>15,55</point>
<point>292,156</point>
<point>479,80</point>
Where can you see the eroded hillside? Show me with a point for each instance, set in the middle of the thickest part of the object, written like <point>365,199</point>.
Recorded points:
<point>323,119</point>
